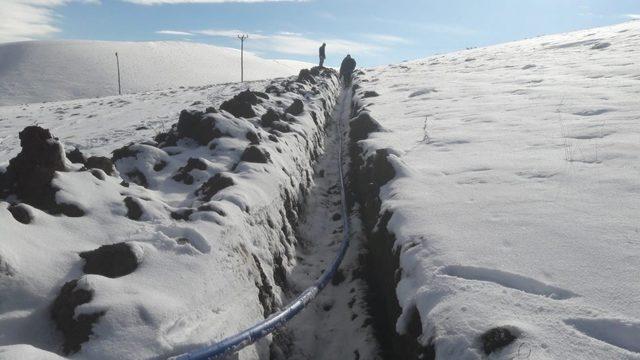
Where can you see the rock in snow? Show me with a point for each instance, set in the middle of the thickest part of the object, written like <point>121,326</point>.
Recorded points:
<point>30,173</point>
<point>112,261</point>
<point>76,329</point>
<point>241,104</point>
<point>495,339</point>
<point>255,154</point>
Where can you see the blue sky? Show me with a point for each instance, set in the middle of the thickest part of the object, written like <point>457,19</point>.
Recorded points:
<point>375,32</point>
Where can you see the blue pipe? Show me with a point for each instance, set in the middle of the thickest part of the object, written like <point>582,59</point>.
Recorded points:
<point>256,332</point>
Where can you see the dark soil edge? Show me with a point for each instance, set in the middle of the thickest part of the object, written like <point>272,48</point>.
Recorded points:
<point>382,264</point>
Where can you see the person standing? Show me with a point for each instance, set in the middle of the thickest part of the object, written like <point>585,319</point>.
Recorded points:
<point>322,54</point>
<point>346,70</point>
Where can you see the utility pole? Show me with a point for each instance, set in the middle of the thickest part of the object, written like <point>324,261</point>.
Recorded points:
<point>118,64</point>
<point>242,38</point>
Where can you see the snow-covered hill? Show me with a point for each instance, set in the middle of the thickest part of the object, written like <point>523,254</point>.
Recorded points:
<point>38,71</point>
<point>511,175</point>
<point>499,190</point>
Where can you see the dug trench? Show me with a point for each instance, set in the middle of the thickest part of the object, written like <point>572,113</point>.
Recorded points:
<point>368,173</point>
<point>338,323</point>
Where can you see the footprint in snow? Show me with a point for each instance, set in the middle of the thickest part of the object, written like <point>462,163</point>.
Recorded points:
<point>186,236</point>
<point>423,92</point>
<point>600,46</point>
<point>620,333</point>
<point>592,112</point>
<point>506,279</point>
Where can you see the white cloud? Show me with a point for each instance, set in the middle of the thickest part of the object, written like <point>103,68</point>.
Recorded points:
<point>229,33</point>
<point>388,39</point>
<point>295,43</point>
<point>174,32</point>
<point>633,16</point>
<point>159,2</point>
<point>300,45</point>
<point>30,19</point>
<point>289,33</point>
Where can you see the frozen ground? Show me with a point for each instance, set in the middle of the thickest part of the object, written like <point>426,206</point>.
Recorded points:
<point>210,254</point>
<point>105,124</point>
<point>337,323</point>
<point>517,195</point>
<point>37,71</point>
<point>515,204</point>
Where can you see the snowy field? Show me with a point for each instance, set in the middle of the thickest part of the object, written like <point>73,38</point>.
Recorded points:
<point>105,124</point>
<point>38,71</point>
<point>205,215</point>
<point>516,201</point>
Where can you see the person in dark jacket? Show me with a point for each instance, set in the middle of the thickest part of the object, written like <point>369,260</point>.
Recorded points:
<point>322,54</point>
<point>346,70</point>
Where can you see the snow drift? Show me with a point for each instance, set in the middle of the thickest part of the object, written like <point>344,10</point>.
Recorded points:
<point>37,71</point>
<point>500,188</point>
<point>171,243</point>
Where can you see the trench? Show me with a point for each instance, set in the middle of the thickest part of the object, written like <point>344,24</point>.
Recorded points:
<point>368,173</point>
<point>338,324</point>
<point>355,316</point>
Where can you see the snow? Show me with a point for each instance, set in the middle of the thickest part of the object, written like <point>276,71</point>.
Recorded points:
<point>105,124</point>
<point>337,322</point>
<point>515,201</point>
<point>197,280</point>
<point>54,70</point>
<point>517,193</point>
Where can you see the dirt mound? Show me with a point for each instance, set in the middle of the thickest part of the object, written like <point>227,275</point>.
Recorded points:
<point>20,213</point>
<point>269,118</point>
<point>192,124</point>
<point>76,156</point>
<point>100,162</point>
<point>216,183</point>
<point>134,210</point>
<point>253,137</point>
<point>255,154</point>
<point>362,126</point>
<point>183,173</point>
<point>29,174</point>
<point>495,339</point>
<point>123,152</point>
<point>322,71</point>
<point>241,104</point>
<point>137,177</point>
<point>75,329</point>
<point>305,75</point>
<point>182,214</point>
<point>112,261</point>
<point>296,108</point>
<point>273,89</point>
<point>197,126</point>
